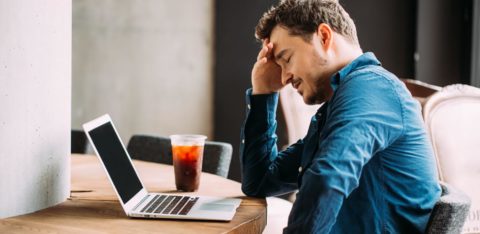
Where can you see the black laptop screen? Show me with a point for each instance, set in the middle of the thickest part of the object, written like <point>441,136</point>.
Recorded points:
<point>116,161</point>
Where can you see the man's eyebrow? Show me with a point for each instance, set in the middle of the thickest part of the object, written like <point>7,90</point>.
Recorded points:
<point>280,54</point>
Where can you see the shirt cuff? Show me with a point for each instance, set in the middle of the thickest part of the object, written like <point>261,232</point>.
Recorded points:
<point>262,107</point>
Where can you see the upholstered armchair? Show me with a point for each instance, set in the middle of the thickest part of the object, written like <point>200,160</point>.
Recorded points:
<point>296,113</point>
<point>452,120</point>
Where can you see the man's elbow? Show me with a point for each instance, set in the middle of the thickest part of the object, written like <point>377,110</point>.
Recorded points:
<point>252,190</point>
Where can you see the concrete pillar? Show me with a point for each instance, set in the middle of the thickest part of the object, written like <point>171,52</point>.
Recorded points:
<point>35,96</point>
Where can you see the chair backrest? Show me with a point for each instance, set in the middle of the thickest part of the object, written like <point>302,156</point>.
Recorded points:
<point>452,120</point>
<point>79,143</point>
<point>297,114</point>
<point>449,212</point>
<point>216,160</point>
<point>420,90</point>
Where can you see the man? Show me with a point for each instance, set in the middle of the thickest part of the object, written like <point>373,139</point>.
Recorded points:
<point>366,164</point>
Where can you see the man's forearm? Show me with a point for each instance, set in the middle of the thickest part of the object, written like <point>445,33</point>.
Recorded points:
<point>258,150</point>
<point>258,139</point>
<point>316,208</point>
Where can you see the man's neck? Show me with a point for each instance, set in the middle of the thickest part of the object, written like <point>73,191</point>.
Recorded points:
<point>345,51</point>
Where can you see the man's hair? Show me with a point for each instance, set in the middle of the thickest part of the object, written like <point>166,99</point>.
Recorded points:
<point>302,18</point>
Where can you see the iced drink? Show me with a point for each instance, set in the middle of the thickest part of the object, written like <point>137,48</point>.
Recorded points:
<point>187,152</point>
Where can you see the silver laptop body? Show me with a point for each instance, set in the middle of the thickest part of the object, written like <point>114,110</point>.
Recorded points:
<point>133,196</point>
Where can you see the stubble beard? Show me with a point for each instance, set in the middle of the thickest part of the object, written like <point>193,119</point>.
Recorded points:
<point>321,94</point>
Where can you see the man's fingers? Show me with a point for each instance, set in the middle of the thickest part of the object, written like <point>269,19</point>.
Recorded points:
<point>261,61</point>
<point>270,45</point>
<point>266,51</point>
<point>263,52</point>
<point>269,53</point>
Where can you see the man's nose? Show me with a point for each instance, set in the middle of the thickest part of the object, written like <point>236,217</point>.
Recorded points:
<point>286,77</point>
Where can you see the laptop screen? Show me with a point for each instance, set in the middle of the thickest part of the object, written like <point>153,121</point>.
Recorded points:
<point>116,161</point>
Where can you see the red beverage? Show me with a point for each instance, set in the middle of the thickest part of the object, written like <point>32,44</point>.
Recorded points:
<point>187,162</point>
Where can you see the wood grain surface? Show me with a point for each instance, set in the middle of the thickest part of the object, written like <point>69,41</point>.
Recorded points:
<point>93,206</point>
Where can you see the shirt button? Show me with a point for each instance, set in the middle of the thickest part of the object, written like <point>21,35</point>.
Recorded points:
<point>243,141</point>
<point>248,106</point>
<point>300,169</point>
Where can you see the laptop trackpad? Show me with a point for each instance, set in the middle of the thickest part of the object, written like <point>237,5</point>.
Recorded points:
<point>217,207</point>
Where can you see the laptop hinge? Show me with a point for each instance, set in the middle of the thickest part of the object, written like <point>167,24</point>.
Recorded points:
<point>141,201</point>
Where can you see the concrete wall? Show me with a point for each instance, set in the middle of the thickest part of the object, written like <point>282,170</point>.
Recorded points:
<point>146,63</point>
<point>35,84</point>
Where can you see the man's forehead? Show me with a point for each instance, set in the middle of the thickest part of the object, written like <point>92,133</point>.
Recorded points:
<point>277,37</point>
<point>278,34</point>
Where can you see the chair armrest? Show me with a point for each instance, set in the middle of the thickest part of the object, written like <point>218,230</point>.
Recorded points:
<point>450,211</point>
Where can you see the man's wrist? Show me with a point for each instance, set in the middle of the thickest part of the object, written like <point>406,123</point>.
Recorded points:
<point>261,108</point>
<point>256,90</point>
<point>262,101</point>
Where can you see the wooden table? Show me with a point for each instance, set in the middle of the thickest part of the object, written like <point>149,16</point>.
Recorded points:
<point>93,206</point>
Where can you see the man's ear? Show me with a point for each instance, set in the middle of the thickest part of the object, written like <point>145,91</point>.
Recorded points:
<point>325,34</point>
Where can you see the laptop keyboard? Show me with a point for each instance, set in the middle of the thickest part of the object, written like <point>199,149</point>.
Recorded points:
<point>173,205</point>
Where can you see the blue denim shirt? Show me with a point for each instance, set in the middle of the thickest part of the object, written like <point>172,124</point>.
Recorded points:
<point>365,165</point>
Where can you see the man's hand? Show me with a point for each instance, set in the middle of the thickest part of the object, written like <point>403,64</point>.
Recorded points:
<point>266,74</point>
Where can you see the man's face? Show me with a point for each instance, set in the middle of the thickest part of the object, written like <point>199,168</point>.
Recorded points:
<point>305,65</point>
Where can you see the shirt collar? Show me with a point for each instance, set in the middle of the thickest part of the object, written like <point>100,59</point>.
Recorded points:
<point>365,59</point>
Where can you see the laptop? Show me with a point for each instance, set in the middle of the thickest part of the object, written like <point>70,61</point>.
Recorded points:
<point>134,197</point>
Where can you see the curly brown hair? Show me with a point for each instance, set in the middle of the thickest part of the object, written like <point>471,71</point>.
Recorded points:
<point>302,18</point>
